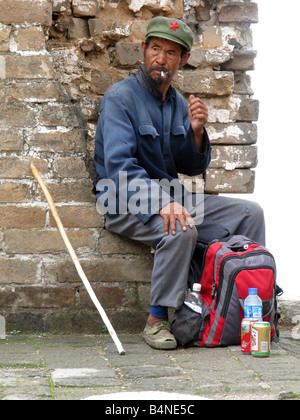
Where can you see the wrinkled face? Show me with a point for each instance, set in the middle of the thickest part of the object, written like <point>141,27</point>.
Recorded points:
<point>163,55</point>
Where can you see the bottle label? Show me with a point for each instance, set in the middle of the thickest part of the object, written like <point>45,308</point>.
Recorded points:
<point>193,307</point>
<point>253,311</point>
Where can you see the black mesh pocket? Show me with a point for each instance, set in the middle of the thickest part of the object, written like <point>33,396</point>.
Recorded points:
<point>187,326</point>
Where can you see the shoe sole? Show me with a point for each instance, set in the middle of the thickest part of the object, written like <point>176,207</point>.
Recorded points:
<point>166,345</point>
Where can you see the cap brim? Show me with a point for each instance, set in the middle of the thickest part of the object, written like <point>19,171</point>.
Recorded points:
<point>170,38</point>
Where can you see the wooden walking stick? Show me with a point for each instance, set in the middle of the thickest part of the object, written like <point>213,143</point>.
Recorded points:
<point>76,261</point>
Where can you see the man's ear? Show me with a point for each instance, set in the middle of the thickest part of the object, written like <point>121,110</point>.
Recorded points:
<point>184,59</point>
<point>143,47</point>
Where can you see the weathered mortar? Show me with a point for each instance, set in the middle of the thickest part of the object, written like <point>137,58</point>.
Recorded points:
<point>57,59</point>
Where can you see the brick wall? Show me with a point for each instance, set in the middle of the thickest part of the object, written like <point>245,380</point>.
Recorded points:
<point>57,59</point>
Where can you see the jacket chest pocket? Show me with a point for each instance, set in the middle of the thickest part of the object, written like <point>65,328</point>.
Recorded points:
<point>149,140</point>
<point>148,130</point>
<point>178,132</point>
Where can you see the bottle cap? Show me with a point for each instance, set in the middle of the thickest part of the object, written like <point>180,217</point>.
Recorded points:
<point>252,291</point>
<point>196,287</point>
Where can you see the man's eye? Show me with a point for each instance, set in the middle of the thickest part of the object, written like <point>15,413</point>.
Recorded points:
<point>171,55</point>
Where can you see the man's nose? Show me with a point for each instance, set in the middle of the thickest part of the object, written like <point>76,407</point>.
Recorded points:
<point>161,57</point>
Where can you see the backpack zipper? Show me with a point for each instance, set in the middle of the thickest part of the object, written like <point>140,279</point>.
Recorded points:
<point>232,277</point>
<point>223,262</point>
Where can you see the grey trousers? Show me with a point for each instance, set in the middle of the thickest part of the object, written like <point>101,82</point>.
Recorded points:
<point>223,216</point>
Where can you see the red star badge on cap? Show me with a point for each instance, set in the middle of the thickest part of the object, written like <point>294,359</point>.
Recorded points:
<point>174,26</point>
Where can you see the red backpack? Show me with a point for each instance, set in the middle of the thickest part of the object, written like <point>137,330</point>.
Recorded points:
<point>229,268</point>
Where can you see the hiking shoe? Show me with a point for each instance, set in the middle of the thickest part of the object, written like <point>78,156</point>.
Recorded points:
<point>160,336</point>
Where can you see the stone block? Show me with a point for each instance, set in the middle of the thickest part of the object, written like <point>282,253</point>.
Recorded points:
<point>235,133</point>
<point>128,54</point>
<point>208,83</point>
<point>21,217</point>
<point>212,37</point>
<point>43,241</point>
<point>85,8</point>
<point>144,291</point>
<point>224,38</point>
<point>26,11</point>
<point>108,269</point>
<point>54,141</point>
<point>233,157</point>
<point>242,60</point>
<point>17,271</point>
<point>27,67</point>
<point>27,39</point>
<point>11,140</point>
<point>71,167</point>
<point>53,115</point>
<point>242,84</point>
<point>117,30</point>
<point>100,81</point>
<point>229,109</point>
<point>238,12</point>
<point>37,91</point>
<point>208,58</point>
<point>78,28</point>
<point>203,10</point>
<point>66,66</point>
<point>236,181</point>
<point>110,243</point>
<point>61,5</point>
<point>95,28</point>
<point>5,31</point>
<point>14,167</point>
<point>89,107</point>
<point>155,6</point>
<point>79,191</point>
<point>222,109</point>
<point>138,30</point>
<point>14,192</point>
<point>38,297</point>
<point>47,297</point>
<point>111,295</point>
<point>248,110</point>
<point>78,216</point>
<point>17,115</point>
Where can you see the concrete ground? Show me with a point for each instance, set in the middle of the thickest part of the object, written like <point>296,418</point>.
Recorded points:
<point>75,367</point>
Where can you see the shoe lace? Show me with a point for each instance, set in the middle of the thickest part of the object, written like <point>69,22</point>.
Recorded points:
<point>164,325</point>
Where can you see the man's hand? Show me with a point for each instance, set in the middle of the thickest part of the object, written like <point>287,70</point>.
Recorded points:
<point>198,115</point>
<point>172,212</point>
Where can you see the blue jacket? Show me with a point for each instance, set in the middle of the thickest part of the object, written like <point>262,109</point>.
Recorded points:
<point>145,138</point>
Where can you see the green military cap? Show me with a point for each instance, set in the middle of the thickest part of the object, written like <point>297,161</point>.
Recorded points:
<point>172,29</point>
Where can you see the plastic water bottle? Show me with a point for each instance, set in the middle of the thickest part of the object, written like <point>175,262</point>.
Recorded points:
<point>253,305</point>
<point>193,299</point>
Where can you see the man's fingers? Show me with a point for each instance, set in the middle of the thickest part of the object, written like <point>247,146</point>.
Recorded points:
<point>173,212</point>
<point>189,219</point>
<point>166,224</point>
<point>173,223</point>
<point>182,221</point>
<point>197,108</point>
